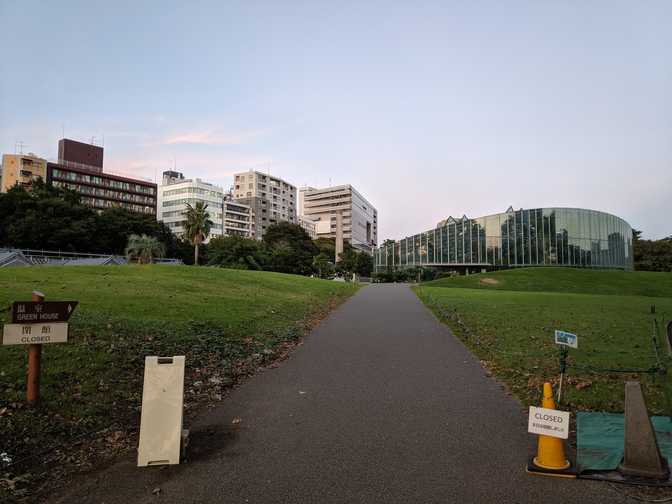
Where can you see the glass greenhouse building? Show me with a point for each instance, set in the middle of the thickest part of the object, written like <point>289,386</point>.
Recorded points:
<point>536,237</point>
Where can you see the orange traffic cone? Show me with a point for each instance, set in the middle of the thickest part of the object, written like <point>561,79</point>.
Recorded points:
<point>550,459</point>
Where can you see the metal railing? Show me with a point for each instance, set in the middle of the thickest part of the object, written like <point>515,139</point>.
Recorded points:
<point>53,257</point>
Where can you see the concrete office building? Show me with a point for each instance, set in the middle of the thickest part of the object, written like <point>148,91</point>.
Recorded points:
<point>21,169</point>
<point>80,168</point>
<point>360,218</point>
<point>271,199</point>
<point>174,194</point>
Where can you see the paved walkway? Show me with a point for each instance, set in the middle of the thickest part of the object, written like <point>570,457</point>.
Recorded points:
<point>380,405</point>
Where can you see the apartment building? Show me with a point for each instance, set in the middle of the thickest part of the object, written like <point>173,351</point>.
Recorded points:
<point>175,192</point>
<point>21,169</point>
<point>271,199</point>
<point>237,218</point>
<point>80,168</point>
<point>359,217</point>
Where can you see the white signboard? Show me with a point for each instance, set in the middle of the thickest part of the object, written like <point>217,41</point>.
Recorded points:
<point>162,404</point>
<point>31,334</point>
<point>548,422</point>
<point>567,339</point>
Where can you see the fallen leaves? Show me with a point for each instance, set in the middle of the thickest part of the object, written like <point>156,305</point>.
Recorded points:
<point>583,384</point>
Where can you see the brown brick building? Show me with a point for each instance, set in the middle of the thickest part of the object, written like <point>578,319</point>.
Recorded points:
<point>80,168</point>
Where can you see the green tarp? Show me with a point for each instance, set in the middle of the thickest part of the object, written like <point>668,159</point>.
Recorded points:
<point>599,440</point>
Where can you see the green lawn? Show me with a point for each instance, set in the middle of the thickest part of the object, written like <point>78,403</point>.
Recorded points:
<point>226,322</point>
<point>576,281</point>
<point>508,319</point>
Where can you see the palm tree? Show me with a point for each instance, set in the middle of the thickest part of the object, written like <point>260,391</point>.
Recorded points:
<point>197,227</point>
<point>144,249</point>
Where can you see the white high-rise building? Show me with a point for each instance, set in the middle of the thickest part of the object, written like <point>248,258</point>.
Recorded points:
<point>360,218</point>
<point>174,194</point>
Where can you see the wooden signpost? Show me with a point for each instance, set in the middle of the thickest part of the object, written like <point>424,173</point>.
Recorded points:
<point>36,323</point>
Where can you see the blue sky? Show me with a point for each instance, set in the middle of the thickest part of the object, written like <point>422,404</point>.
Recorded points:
<point>429,109</point>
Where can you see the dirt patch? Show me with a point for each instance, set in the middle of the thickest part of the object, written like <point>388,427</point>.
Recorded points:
<point>489,281</point>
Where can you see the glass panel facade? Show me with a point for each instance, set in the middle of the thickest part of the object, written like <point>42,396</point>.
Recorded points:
<point>444,244</point>
<point>535,237</point>
<point>459,242</point>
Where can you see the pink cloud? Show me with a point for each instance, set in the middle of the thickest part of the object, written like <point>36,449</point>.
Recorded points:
<point>213,138</point>
<point>216,168</point>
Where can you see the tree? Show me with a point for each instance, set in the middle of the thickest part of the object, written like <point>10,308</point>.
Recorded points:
<point>651,255</point>
<point>144,249</point>
<point>290,249</point>
<point>327,246</point>
<point>355,261</point>
<point>197,227</point>
<point>348,260</point>
<point>114,226</point>
<point>53,218</point>
<point>364,264</point>
<point>237,252</point>
<point>181,249</point>
<point>47,218</point>
<point>322,265</point>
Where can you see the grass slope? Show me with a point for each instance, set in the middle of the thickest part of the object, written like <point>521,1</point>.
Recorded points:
<point>226,322</point>
<point>577,281</point>
<point>508,318</point>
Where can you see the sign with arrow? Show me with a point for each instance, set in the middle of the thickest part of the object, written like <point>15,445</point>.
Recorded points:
<point>40,312</point>
<point>35,323</point>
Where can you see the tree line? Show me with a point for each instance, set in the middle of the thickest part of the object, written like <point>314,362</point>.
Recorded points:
<point>287,248</point>
<point>651,255</point>
<point>52,218</point>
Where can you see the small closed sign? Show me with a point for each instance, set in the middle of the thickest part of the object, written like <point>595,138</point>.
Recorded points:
<point>548,422</point>
<point>34,334</point>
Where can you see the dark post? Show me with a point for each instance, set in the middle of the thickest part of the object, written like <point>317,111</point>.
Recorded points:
<point>34,363</point>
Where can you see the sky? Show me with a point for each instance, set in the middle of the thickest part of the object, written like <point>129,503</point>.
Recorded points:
<point>428,109</point>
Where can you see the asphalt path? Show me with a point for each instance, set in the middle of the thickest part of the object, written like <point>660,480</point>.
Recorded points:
<point>381,404</point>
